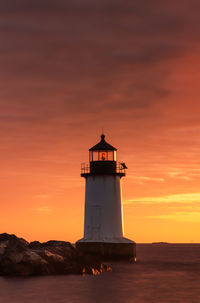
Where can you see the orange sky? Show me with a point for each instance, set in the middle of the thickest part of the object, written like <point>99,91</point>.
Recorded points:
<point>69,68</point>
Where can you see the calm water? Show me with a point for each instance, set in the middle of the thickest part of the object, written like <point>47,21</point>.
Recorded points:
<point>163,273</point>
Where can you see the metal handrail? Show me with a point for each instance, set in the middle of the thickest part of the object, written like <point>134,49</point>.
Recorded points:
<point>120,168</point>
<point>85,168</point>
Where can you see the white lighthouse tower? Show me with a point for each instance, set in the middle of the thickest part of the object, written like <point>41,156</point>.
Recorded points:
<point>103,225</point>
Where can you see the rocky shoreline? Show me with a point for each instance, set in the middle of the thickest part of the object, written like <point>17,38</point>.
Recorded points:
<point>21,258</point>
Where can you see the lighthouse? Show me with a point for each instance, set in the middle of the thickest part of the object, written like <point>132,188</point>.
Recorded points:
<point>103,222</point>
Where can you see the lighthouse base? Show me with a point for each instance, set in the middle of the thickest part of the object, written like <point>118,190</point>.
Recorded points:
<point>109,251</point>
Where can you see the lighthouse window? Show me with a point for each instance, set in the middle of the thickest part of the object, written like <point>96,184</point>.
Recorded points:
<point>110,155</point>
<point>95,156</point>
<point>103,156</point>
<point>115,156</point>
<point>90,156</point>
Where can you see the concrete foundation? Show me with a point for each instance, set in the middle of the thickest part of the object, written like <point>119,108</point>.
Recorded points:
<point>109,251</point>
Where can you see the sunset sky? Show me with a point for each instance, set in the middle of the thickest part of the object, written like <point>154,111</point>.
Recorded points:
<point>69,68</point>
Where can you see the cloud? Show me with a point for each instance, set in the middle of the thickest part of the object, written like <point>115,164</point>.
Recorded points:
<point>69,68</point>
<point>44,209</point>
<point>179,175</point>
<point>177,198</point>
<point>192,216</point>
<point>179,207</point>
<point>110,58</point>
<point>140,178</point>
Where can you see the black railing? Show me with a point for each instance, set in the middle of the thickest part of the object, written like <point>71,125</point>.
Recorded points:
<point>120,169</point>
<point>85,168</point>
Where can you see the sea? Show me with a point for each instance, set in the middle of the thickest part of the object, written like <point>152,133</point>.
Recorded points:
<point>163,273</point>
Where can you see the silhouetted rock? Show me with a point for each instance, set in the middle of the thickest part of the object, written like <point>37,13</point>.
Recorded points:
<point>18,257</point>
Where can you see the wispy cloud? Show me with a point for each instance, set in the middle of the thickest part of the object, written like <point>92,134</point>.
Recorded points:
<point>179,175</point>
<point>191,216</point>
<point>142,179</point>
<point>179,207</point>
<point>45,209</point>
<point>130,66</point>
<point>178,198</point>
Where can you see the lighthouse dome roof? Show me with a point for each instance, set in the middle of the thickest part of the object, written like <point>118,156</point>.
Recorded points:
<point>102,145</point>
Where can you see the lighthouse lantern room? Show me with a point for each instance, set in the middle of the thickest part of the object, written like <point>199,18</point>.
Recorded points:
<point>103,222</point>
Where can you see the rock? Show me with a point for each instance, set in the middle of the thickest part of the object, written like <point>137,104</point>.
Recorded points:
<point>18,257</point>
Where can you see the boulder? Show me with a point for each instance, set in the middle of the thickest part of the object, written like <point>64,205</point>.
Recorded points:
<point>18,257</point>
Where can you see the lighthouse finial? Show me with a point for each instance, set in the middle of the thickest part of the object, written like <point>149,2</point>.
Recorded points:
<point>102,134</point>
<point>102,137</point>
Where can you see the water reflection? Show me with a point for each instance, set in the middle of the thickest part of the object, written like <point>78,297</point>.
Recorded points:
<point>163,273</point>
